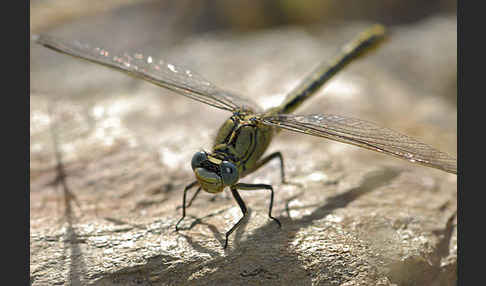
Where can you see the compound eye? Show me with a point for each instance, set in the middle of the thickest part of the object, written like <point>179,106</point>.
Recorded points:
<point>229,173</point>
<point>197,159</point>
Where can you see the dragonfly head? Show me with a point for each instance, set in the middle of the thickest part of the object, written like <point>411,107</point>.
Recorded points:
<point>213,174</point>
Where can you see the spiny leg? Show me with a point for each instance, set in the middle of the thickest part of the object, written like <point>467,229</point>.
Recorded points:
<point>241,203</point>
<point>249,187</point>
<point>244,210</point>
<point>184,202</point>
<point>278,155</point>
<point>192,199</point>
<point>265,160</point>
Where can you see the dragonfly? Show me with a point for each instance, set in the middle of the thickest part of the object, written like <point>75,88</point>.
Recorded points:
<point>241,142</point>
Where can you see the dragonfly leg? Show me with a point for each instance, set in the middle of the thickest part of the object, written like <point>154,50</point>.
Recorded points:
<point>188,187</point>
<point>244,210</point>
<point>243,186</point>
<point>265,160</point>
<point>193,197</point>
<point>278,155</point>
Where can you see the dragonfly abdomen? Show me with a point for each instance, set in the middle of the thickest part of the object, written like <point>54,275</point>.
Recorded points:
<point>367,41</point>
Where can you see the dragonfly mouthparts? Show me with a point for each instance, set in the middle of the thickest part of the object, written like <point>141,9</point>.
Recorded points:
<point>212,167</point>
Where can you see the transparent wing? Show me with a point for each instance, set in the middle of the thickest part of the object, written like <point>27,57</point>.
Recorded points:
<point>367,135</point>
<point>158,72</point>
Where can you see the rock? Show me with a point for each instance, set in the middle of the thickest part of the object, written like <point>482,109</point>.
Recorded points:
<point>110,157</point>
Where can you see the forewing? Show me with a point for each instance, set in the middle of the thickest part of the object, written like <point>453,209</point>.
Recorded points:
<point>158,72</point>
<point>367,135</point>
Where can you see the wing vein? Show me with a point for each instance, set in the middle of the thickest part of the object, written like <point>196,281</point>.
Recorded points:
<point>367,135</point>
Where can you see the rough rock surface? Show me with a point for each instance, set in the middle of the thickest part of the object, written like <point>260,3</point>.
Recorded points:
<point>110,157</point>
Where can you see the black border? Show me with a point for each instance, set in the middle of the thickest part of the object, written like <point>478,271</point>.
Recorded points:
<point>24,158</point>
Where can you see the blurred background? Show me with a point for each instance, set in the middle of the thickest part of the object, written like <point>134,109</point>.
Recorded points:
<point>241,15</point>
<point>161,25</point>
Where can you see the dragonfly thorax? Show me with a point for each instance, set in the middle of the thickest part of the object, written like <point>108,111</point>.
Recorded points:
<point>242,139</point>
